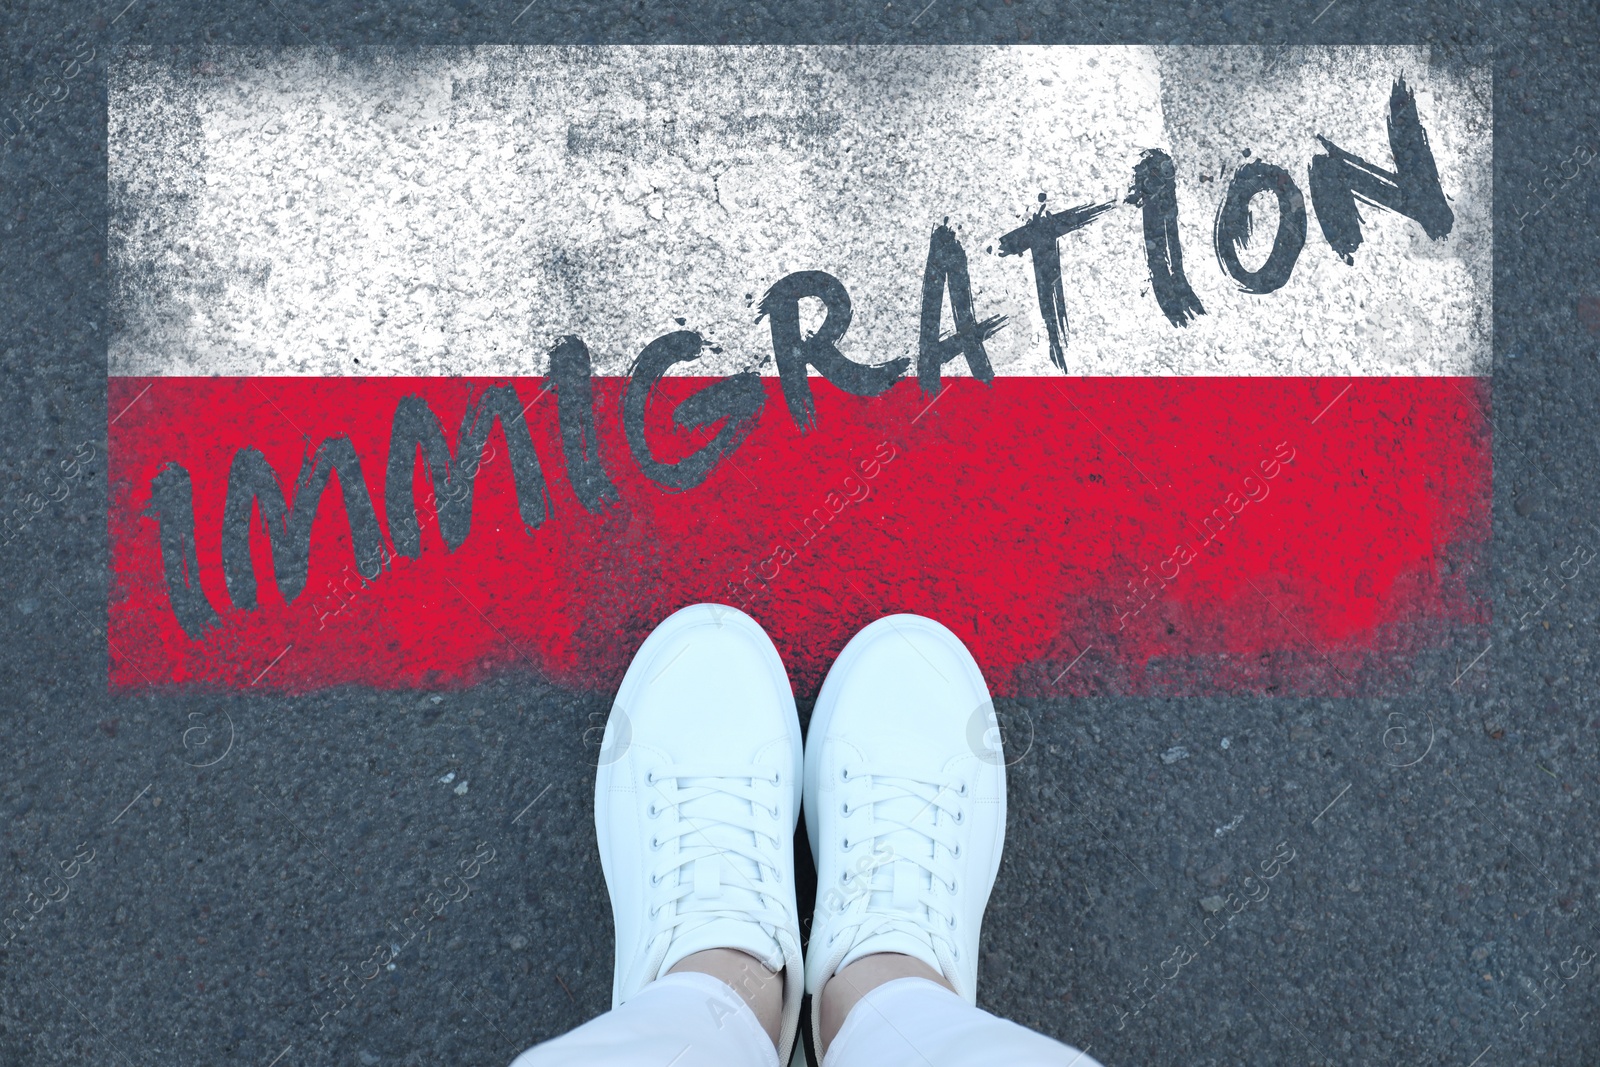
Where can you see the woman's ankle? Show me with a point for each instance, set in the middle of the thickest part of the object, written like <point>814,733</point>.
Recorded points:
<point>757,986</point>
<point>841,993</point>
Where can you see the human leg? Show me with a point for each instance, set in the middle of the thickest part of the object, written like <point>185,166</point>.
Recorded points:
<point>914,1022</point>
<point>696,801</point>
<point>905,809</point>
<point>687,1019</point>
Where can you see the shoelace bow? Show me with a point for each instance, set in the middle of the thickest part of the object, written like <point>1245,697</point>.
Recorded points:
<point>926,840</point>
<point>709,838</point>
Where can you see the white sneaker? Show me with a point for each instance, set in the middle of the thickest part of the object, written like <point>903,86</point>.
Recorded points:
<point>696,800</point>
<point>905,802</point>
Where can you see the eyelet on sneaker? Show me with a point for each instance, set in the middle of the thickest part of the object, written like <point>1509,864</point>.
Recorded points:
<point>956,852</point>
<point>655,812</point>
<point>952,887</point>
<point>844,809</point>
<point>962,791</point>
<point>655,844</point>
<point>844,877</point>
<point>844,774</point>
<point>961,817</point>
<point>951,922</point>
<point>844,843</point>
<point>649,777</point>
<point>654,880</point>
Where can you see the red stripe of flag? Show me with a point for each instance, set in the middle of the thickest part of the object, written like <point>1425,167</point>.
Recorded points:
<point>1119,535</point>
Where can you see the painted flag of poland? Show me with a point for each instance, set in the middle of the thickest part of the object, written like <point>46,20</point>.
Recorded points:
<point>1144,370</point>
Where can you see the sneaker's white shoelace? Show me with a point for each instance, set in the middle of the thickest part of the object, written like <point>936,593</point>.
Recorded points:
<point>910,883</point>
<point>727,834</point>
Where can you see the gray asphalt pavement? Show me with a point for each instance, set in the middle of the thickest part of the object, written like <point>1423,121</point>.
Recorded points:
<point>1436,857</point>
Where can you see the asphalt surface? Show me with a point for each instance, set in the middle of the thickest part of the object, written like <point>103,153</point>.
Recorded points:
<point>1435,856</point>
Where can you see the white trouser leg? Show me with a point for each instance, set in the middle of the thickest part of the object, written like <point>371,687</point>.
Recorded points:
<point>912,1022</point>
<point>685,1019</point>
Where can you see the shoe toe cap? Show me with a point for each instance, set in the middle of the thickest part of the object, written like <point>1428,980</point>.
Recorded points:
<point>913,688</point>
<point>712,689</point>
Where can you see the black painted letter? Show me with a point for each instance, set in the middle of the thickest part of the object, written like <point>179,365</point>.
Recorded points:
<point>415,426</point>
<point>1339,178</point>
<point>570,372</point>
<point>1039,236</point>
<point>738,400</point>
<point>947,266</point>
<point>1233,226</point>
<point>821,350</point>
<point>172,505</point>
<point>454,481</point>
<point>252,483</point>
<point>1155,189</point>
